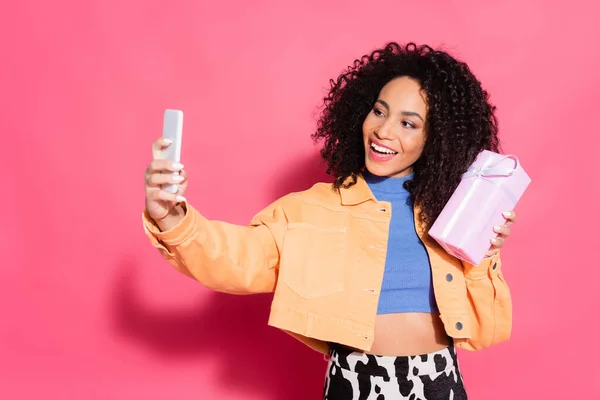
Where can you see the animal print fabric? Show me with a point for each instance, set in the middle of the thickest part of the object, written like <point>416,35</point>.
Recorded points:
<point>358,376</point>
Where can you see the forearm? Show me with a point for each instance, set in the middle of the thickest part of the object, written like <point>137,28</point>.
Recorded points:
<point>223,257</point>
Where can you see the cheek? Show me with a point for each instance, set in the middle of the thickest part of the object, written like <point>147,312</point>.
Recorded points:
<point>369,124</point>
<point>413,145</point>
<point>365,128</point>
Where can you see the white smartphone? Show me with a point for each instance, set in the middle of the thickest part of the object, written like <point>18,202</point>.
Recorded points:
<point>172,130</point>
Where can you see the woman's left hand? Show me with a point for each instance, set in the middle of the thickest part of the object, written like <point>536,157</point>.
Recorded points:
<point>503,232</point>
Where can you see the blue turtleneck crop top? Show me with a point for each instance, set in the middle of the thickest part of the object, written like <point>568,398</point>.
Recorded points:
<point>407,284</point>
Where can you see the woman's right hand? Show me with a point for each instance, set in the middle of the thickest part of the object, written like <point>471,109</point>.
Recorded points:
<point>161,205</point>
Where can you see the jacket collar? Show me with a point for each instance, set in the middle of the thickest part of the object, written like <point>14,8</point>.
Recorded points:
<point>357,193</point>
<point>361,193</point>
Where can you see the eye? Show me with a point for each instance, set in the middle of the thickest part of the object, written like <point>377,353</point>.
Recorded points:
<point>378,112</point>
<point>408,124</point>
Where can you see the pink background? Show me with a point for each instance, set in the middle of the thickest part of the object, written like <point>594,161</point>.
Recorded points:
<point>90,311</point>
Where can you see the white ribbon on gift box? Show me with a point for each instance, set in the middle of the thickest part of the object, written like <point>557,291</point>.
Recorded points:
<point>486,172</point>
<point>494,171</point>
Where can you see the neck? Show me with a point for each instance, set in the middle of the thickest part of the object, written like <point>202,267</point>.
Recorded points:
<point>386,184</point>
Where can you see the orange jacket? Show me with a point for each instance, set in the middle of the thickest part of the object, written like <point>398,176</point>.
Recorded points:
<point>322,252</point>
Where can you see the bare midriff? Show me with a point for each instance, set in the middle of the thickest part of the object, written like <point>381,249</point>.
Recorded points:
<point>408,334</point>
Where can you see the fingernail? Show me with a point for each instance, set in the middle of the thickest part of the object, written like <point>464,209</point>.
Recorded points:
<point>177,179</point>
<point>177,165</point>
<point>506,214</point>
<point>167,141</point>
<point>180,198</point>
<point>494,241</point>
<point>497,227</point>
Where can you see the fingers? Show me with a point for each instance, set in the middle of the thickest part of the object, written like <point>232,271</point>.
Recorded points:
<point>163,195</point>
<point>492,252</point>
<point>163,172</point>
<point>510,216</point>
<point>498,242</point>
<point>164,165</point>
<point>158,146</point>
<point>169,178</point>
<point>503,230</point>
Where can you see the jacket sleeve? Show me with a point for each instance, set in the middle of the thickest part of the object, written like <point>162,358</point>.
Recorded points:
<point>490,304</point>
<point>224,257</point>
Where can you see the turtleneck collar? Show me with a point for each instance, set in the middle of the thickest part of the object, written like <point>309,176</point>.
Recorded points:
<point>384,184</point>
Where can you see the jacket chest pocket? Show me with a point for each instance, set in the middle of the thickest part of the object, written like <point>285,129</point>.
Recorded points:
<point>312,260</point>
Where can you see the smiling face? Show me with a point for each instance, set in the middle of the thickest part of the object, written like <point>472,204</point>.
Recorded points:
<point>394,130</point>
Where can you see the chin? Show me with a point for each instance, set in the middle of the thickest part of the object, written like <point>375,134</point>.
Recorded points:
<point>378,170</point>
<point>386,170</point>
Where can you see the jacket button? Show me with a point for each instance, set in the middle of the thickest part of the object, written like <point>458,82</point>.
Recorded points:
<point>459,326</point>
<point>494,267</point>
<point>449,277</point>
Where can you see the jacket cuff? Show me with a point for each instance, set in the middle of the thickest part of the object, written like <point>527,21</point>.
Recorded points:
<point>177,234</point>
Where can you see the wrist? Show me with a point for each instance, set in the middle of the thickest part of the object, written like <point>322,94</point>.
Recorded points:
<point>172,219</point>
<point>492,254</point>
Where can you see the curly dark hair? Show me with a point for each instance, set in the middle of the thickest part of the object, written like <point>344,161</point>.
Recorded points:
<point>460,120</point>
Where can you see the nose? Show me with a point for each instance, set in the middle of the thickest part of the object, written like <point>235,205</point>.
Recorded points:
<point>385,131</point>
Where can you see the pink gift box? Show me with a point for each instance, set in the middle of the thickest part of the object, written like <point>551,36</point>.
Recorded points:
<point>493,184</point>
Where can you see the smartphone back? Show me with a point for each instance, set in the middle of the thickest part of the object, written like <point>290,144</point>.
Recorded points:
<point>172,130</point>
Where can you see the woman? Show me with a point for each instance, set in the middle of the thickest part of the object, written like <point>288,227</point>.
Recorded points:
<point>354,273</point>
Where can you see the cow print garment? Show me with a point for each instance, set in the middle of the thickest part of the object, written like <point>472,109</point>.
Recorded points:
<point>358,376</point>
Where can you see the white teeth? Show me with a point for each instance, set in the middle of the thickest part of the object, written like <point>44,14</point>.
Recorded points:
<point>380,149</point>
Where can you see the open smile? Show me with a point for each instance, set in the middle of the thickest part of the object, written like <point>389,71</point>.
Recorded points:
<point>380,153</point>
<point>382,149</point>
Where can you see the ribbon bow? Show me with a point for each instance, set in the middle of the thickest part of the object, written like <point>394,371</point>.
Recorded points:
<point>493,170</point>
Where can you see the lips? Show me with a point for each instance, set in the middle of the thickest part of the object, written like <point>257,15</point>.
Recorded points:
<point>379,148</point>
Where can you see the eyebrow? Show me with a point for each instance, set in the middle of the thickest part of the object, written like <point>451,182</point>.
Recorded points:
<point>405,113</point>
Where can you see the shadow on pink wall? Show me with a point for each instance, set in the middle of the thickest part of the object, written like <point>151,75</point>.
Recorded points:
<point>253,358</point>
